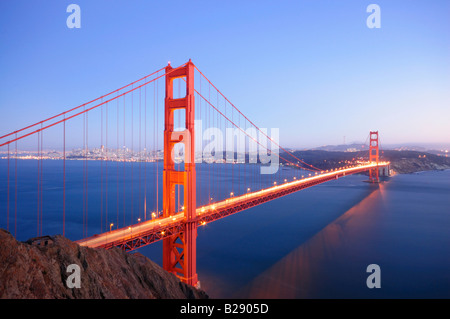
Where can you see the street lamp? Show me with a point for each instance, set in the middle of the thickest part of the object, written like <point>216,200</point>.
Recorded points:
<point>110,226</point>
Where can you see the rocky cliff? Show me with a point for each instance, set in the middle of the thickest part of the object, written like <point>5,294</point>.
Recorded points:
<point>39,269</point>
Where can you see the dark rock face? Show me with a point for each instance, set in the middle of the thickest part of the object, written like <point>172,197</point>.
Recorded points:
<point>38,269</point>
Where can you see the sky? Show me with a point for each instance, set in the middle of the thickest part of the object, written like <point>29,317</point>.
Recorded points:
<point>313,69</point>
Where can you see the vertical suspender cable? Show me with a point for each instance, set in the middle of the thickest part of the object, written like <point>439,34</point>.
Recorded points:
<point>42,173</point>
<point>140,153</point>
<point>124,160</point>
<point>117,164</point>
<point>84,173</point>
<point>38,184</point>
<point>132,152</point>
<point>145,153</point>
<point>15,195</point>
<point>64,177</point>
<point>154,139</point>
<point>87,175</point>
<point>101,170</point>
<point>7,194</point>
<point>157,140</point>
<point>106,169</point>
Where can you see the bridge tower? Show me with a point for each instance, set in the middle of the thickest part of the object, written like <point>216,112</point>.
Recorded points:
<point>179,251</point>
<point>374,152</point>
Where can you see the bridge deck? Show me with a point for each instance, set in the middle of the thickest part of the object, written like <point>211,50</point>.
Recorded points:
<point>147,232</point>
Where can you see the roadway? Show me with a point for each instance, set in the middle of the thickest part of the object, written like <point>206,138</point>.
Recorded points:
<point>147,232</point>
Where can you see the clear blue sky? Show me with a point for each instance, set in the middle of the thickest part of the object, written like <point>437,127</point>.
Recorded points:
<point>311,68</point>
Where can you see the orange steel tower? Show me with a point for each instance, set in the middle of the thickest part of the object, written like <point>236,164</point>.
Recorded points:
<point>179,251</point>
<point>374,157</point>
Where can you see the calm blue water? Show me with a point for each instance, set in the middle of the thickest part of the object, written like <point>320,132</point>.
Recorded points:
<point>315,243</point>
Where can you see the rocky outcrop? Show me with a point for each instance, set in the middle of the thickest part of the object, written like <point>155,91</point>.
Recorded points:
<point>402,162</point>
<point>39,269</point>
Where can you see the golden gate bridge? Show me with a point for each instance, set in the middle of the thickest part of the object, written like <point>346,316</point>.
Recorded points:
<point>125,127</point>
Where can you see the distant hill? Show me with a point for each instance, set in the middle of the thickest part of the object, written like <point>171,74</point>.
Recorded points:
<point>401,161</point>
<point>438,149</point>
